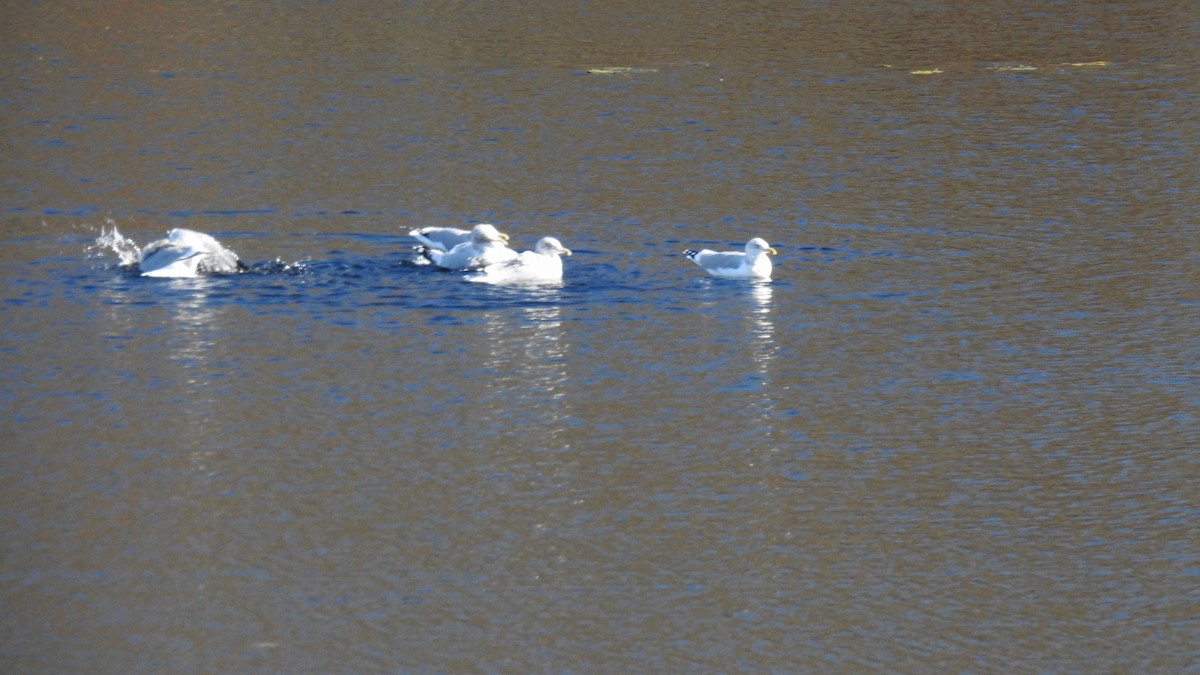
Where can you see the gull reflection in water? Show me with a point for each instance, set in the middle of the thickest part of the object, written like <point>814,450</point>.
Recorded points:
<point>763,348</point>
<point>196,319</point>
<point>528,355</point>
<point>527,364</point>
<point>762,327</point>
<point>165,336</point>
<point>178,321</point>
<point>191,342</point>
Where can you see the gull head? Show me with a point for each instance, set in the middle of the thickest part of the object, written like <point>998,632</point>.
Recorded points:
<point>759,245</point>
<point>485,232</point>
<point>550,246</point>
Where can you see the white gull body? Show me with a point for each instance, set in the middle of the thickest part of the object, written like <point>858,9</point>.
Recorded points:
<point>487,246</point>
<point>752,264</point>
<point>542,264</point>
<point>187,253</point>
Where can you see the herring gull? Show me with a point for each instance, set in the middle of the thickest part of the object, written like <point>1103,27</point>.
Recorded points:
<point>753,264</point>
<point>187,253</point>
<point>542,264</point>
<point>486,246</point>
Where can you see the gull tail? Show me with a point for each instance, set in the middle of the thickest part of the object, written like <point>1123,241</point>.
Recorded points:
<point>425,252</point>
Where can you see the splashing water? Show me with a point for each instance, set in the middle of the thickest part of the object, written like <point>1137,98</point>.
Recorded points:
<point>127,251</point>
<point>129,254</point>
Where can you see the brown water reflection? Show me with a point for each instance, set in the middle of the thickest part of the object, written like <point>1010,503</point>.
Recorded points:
<point>957,431</point>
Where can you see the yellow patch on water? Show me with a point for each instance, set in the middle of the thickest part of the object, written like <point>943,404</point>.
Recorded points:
<point>620,70</point>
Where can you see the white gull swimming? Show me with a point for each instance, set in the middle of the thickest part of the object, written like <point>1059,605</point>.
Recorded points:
<point>187,253</point>
<point>486,247</point>
<point>542,264</point>
<point>752,264</point>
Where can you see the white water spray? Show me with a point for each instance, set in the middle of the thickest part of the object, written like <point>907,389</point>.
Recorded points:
<point>111,239</point>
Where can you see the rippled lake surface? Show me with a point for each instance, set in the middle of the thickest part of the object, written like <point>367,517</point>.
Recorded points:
<point>957,432</point>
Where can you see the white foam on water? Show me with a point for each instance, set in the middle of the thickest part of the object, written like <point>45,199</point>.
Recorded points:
<point>111,239</point>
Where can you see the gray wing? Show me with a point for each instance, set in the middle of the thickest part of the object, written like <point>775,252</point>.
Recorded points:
<point>712,260</point>
<point>161,255</point>
<point>441,238</point>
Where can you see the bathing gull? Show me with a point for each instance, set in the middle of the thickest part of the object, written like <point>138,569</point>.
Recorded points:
<point>542,264</point>
<point>187,253</point>
<point>487,246</point>
<point>753,264</point>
